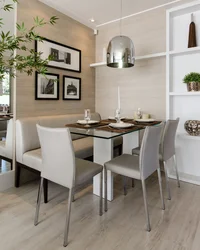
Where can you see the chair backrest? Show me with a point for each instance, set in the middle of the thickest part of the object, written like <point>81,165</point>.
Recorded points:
<point>149,153</point>
<point>168,139</point>
<point>58,160</point>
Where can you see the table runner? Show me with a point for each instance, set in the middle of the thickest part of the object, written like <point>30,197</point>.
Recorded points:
<point>121,130</point>
<point>77,125</point>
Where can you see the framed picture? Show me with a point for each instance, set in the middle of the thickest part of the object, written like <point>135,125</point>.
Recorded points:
<point>46,87</point>
<point>71,88</point>
<point>64,57</point>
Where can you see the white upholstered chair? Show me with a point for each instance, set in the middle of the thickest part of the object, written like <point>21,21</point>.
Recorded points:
<point>167,150</point>
<point>59,165</point>
<point>140,167</point>
<point>6,146</point>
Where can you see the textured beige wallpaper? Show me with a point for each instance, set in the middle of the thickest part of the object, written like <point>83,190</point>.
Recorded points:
<point>142,86</point>
<point>69,32</point>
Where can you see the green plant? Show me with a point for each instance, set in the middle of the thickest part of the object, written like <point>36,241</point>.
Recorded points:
<point>21,58</point>
<point>192,77</point>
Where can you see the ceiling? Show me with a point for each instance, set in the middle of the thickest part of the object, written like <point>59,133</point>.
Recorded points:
<point>102,11</point>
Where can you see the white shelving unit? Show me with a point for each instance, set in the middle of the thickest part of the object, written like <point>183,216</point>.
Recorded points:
<point>99,64</point>
<point>180,61</point>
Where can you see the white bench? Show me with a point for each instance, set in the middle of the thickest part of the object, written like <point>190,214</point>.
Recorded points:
<point>28,151</point>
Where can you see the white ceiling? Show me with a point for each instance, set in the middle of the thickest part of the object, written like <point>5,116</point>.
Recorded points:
<point>102,11</point>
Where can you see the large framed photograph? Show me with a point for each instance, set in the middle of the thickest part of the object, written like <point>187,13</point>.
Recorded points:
<point>46,86</point>
<point>71,88</point>
<point>64,57</point>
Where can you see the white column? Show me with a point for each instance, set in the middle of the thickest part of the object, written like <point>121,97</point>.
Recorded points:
<point>103,152</point>
<point>130,141</point>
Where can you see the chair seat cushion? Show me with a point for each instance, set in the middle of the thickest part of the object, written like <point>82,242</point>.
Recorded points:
<point>83,148</point>
<point>126,165</point>
<point>118,141</point>
<point>33,159</point>
<point>85,171</point>
<point>3,148</point>
<point>136,151</point>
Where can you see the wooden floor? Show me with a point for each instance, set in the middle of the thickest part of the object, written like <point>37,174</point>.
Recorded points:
<point>121,228</point>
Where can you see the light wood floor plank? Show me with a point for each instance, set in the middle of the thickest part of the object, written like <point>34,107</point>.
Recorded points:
<point>121,228</point>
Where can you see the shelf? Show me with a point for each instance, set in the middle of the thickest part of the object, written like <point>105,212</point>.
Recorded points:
<point>187,136</point>
<point>156,55</point>
<point>185,51</point>
<point>184,93</point>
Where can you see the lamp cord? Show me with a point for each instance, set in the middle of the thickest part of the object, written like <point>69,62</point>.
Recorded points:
<point>121,20</point>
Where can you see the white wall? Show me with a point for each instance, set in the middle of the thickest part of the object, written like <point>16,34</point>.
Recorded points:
<point>144,85</point>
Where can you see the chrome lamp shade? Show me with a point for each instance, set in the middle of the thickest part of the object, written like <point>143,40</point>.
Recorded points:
<point>121,52</point>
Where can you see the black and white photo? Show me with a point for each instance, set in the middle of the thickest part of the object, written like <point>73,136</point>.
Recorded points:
<point>63,56</point>
<point>71,88</point>
<point>46,86</point>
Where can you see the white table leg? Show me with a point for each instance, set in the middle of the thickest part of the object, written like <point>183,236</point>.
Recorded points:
<point>130,141</point>
<point>103,152</point>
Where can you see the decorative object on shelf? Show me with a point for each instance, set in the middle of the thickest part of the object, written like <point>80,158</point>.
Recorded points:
<point>46,86</point>
<point>192,41</point>
<point>193,81</point>
<point>192,127</point>
<point>63,56</point>
<point>120,51</point>
<point>71,88</point>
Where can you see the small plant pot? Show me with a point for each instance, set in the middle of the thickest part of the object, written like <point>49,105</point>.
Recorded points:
<point>193,86</point>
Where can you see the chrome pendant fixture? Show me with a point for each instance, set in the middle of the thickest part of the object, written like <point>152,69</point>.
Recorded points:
<point>120,51</point>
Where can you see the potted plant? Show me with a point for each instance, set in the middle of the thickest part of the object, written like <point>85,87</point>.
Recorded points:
<point>193,81</point>
<point>21,57</point>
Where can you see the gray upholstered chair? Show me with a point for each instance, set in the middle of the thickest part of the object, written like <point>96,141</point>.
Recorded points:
<point>167,150</point>
<point>59,165</point>
<point>140,167</point>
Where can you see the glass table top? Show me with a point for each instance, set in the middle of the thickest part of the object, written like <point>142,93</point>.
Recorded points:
<point>97,133</point>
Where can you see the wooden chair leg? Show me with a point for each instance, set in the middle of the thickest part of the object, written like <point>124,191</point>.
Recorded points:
<point>17,175</point>
<point>45,185</point>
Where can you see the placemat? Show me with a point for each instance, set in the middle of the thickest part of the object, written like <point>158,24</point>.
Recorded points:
<point>146,123</point>
<point>122,130</point>
<point>77,125</point>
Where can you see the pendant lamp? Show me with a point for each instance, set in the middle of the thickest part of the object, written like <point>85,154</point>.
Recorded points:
<point>120,51</point>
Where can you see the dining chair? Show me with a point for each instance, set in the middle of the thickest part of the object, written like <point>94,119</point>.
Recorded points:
<point>167,150</point>
<point>139,167</point>
<point>60,166</point>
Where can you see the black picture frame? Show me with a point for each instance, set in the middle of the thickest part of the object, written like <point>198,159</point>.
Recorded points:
<point>75,88</point>
<point>67,57</point>
<point>44,96</point>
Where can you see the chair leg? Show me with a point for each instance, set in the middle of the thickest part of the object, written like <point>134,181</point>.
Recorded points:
<point>167,181</point>
<point>68,218</point>
<point>101,195</point>
<point>161,190</point>
<point>38,202</point>
<point>45,184</point>
<point>177,175</point>
<point>105,191</point>
<point>17,175</point>
<point>125,184</point>
<point>146,205</point>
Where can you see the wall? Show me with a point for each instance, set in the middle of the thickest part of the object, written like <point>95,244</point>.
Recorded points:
<point>66,31</point>
<point>142,86</point>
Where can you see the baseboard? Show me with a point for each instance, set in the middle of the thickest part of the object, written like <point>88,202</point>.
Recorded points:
<point>187,178</point>
<point>7,180</point>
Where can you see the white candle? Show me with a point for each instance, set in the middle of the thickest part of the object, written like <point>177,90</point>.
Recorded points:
<point>119,106</point>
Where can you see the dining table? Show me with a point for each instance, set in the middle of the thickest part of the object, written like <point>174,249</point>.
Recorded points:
<point>103,136</point>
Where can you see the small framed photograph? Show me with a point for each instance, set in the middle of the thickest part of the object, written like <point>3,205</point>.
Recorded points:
<point>46,86</point>
<point>64,57</point>
<point>71,88</point>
